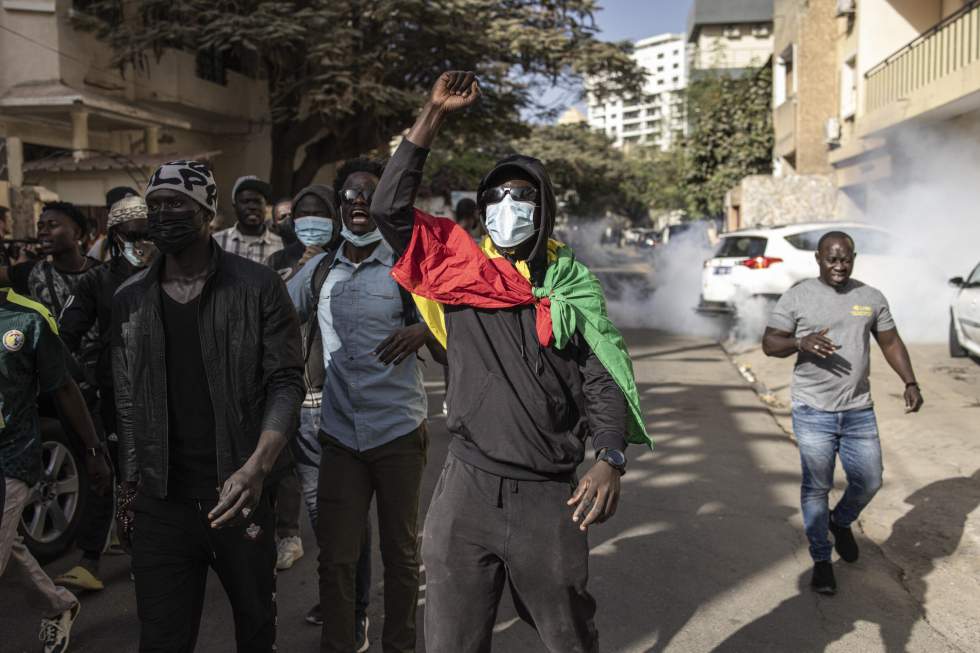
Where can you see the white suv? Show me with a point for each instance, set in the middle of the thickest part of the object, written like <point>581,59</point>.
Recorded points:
<point>964,316</point>
<point>768,262</point>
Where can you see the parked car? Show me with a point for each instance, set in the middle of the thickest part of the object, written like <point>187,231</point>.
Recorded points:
<point>964,316</point>
<point>765,263</point>
<point>57,503</point>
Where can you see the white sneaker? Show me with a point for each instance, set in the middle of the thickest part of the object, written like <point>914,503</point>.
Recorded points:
<point>55,633</point>
<point>290,550</point>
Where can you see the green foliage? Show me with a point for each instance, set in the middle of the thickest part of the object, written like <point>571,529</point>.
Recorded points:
<point>345,77</point>
<point>730,121</point>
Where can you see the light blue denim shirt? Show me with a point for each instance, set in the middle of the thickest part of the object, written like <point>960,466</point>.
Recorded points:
<point>365,404</point>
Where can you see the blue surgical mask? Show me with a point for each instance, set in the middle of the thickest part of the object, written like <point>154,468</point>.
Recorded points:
<point>313,230</point>
<point>510,223</point>
<point>360,240</point>
<point>129,252</point>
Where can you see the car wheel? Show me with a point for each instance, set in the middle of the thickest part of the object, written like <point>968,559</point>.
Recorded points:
<point>956,350</point>
<point>57,502</point>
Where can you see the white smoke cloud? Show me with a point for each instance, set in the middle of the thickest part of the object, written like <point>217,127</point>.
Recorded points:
<point>930,206</point>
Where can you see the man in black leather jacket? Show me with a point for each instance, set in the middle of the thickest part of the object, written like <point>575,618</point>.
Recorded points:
<point>208,373</point>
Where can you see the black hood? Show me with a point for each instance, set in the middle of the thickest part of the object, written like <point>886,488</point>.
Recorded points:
<point>526,166</point>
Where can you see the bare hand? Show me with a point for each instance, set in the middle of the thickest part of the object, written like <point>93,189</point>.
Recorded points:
<point>913,399</point>
<point>402,343</point>
<point>309,253</point>
<point>99,473</point>
<point>455,90</point>
<point>599,488</point>
<point>239,496</point>
<point>818,344</point>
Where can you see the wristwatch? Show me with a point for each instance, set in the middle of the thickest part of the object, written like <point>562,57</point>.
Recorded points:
<point>614,458</point>
<point>94,451</point>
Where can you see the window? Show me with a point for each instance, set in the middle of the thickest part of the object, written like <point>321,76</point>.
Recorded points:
<point>674,79</point>
<point>660,55</point>
<point>784,82</point>
<point>677,65</point>
<point>866,241</point>
<point>731,32</point>
<point>210,66</point>
<point>848,88</point>
<point>660,69</point>
<point>760,31</point>
<point>741,247</point>
<point>974,280</point>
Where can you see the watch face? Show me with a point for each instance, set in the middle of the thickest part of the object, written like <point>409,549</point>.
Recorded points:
<point>616,458</point>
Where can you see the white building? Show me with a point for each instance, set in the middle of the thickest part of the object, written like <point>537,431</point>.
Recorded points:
<point>658,117</point>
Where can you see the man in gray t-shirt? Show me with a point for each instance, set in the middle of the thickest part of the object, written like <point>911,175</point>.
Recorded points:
<point>828,323</point>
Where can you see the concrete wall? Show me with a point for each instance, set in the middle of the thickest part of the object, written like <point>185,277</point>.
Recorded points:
<point>762,200</point>
<point>22,56</point>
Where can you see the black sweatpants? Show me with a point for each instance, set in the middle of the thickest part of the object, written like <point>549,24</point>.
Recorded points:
<point>482,530</point>
<point>173,547</point>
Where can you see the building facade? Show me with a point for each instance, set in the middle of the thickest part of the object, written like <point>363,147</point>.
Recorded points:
<point>805,86</point>
<point>906,69</point>
<point>729,36</point>
<point>73,125</point>
<point>656,119</point>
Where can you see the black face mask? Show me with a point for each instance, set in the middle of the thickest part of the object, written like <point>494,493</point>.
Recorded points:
<point>180,229</point>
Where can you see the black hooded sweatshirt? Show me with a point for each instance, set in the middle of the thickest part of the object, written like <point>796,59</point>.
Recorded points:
<point>516,409</point>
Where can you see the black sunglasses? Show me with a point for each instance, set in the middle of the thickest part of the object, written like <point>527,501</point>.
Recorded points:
<point>496,194</point>
<point>351,194</point>
<point>134,236</point>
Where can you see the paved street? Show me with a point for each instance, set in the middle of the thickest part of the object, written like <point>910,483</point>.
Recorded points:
<point>706,554</point>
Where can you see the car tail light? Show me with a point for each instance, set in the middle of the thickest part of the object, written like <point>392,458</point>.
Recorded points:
<point>760,262</point>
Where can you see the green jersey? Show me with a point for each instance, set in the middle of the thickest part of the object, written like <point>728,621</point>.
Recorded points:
<point>32,360</point>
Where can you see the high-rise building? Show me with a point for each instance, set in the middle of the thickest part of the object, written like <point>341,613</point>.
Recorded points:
<point>656,118</point>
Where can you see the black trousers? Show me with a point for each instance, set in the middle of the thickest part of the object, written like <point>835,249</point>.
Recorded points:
<point>482,530</point>
<point>348,480</point>
<point>173,547</point>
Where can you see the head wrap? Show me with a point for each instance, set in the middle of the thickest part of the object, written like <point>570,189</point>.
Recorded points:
<point>116,194</point>
<point>251,182</point>
<point>191,178</point>
<point>125,210</point>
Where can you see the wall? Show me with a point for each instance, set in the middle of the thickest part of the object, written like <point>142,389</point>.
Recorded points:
<point>23,59</point>
<point>817,75</point>
<point>761,200</point>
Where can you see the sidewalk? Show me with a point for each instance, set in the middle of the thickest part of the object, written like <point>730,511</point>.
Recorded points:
<point>925,518</point>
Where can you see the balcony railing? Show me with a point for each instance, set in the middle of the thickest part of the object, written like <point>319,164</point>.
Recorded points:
<point>951,45</point>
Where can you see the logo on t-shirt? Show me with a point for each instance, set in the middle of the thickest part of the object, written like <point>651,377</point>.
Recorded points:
<point>13,340</point>
<point>861,311</point>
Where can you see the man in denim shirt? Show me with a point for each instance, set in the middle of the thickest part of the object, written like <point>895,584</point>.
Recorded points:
<point>828,322</point>
<point>373,421</point>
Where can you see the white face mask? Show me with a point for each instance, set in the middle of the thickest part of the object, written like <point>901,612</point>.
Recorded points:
<point>360,240</point>
<point>129,253</point>
<point>313,230</point>
<point>510,223</point>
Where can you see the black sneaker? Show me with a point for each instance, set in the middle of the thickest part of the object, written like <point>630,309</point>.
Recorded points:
<point>314,616</point>
<point>823,581</point>
<point>844,542</point>
<point>360,635</point>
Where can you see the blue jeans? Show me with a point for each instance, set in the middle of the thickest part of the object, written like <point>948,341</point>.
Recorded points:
<point>822,436</point>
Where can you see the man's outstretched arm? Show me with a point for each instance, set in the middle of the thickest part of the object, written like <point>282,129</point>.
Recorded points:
<point>393,205</point>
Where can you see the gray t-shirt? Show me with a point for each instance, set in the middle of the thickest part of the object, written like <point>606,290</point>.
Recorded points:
<point>838,382</point>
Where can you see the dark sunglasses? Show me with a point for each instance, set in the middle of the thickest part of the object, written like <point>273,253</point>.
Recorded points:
<point>351,194</point>
<point>522,194</point>
<point>134,236</point>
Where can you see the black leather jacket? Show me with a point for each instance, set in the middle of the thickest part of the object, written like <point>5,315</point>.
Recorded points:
<point>252,350</point>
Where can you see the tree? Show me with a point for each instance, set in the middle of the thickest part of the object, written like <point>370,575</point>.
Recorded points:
<point>346,76</point>
<point>730,137</point>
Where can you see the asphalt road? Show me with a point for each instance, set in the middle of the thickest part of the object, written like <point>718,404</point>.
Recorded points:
<point>706,553</point>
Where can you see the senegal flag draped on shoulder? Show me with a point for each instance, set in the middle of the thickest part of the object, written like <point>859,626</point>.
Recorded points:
<point>443,266</point>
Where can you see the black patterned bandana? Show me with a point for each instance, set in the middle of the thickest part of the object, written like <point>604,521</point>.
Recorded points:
<point>192,178</point>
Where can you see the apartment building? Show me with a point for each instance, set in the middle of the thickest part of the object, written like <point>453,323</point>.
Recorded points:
<point>729,36</point>
<point>72,125</point>
<point>902,66</point>
<point>657,118</point>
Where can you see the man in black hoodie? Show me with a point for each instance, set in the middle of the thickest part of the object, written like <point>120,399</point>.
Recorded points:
<point>507,505</point>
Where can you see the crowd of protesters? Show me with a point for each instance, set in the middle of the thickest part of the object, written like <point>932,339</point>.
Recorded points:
<point>238,375</point>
